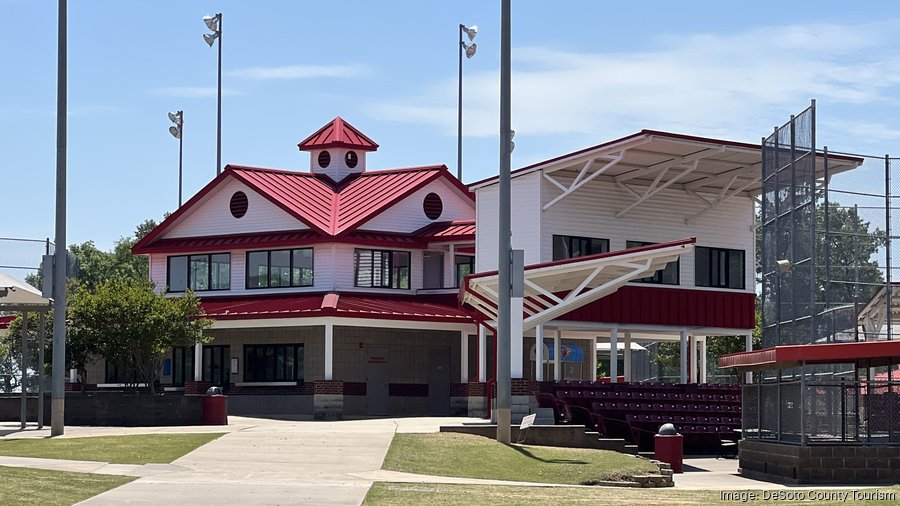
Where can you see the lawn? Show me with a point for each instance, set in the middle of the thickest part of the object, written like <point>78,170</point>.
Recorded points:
<point>424,494</point>
<point>463,455</point>
<point>136,449</point>
<point>22,487</point>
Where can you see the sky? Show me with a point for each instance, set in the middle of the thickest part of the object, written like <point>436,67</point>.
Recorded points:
<point>584,72</point>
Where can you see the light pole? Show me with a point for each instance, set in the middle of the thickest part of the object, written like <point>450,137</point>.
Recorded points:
<point>177,131</point>
<point>504,400</point>
<point>214,23</point>
<point>469,50</point>
<point>57,383</point>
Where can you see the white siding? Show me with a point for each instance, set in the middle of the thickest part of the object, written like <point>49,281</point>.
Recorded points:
<point>158,271</point>
<point>337,170</point>
<point>590,212</point>
<point>525,221</point>
<point>212,216</point>
<point>408,216</point>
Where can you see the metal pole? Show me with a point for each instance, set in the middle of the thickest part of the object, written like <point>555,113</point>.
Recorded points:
<point>23,406</point>
<point>459,110</point>
<point>42,338</point>
<point>58,395</point>
<point>887,250</point>
<point>503,318</point>
<point>180,151</point>
<point>219,109</point>
<point>827,224</point>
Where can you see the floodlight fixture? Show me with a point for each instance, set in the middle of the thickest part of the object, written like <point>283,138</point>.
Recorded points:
<point>175,131</point>
<point>212,22</point>
<point>470,31</point>
<point>784,265</point>
<point>470,49</point>
<point>210,38</point>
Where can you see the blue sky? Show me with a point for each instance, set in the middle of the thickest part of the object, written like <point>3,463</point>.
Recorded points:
<point>583,72</point>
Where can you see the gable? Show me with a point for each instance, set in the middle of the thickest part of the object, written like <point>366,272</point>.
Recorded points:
<point>408,215</point>
<point>212,216</point>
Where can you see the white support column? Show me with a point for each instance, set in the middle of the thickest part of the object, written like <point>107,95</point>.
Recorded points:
<point>748,346</point>
<point>557,363</point>
<point>482,354</point>
<point>702,353</point>
<point>516,339</point>
<point>684,357</point>
<point>692,345</point>
<point>539,353</point>
<point>329,352</point>
<point>463,356</point>
<point>198,361</point>
<point>627,355</point>
<point>614,355</point>
<point>450,268</point>
<point>593,345</point>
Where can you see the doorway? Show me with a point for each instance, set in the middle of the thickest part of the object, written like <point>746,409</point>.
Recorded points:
<point>376,381</point>
<point>439,381</point>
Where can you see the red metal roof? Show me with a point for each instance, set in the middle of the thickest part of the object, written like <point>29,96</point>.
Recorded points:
<point>6,320</point>
<point>338,133</point>
<point>328,209</point>
<point>433,308</point>
<point>461,230</point>
<point>782,357</point>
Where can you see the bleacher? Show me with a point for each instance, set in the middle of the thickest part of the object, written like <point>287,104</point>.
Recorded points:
<point>705,414</point>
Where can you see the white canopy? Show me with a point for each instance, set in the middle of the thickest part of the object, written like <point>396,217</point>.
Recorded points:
<point>17,295</point>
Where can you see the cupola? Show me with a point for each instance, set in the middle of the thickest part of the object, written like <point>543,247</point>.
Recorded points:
<point>337,150</point>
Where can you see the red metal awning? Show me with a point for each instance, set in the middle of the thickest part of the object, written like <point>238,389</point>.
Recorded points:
<point>783,357</point>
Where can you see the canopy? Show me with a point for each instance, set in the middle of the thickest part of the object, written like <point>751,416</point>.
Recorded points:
<point>17,295</point>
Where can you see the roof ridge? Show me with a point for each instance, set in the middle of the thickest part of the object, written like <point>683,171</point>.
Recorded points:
<point>419,168</point>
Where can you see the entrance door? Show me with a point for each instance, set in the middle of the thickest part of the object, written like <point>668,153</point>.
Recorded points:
<point>376,380</point>
<point>433,270</point>
<point>439,381</point>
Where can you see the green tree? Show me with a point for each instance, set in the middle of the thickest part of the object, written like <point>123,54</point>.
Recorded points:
<point>132,326</point>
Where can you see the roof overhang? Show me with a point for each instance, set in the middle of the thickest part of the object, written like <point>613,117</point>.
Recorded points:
<point>553,289</point>
<point>875,353</point>
<point>17,295</point>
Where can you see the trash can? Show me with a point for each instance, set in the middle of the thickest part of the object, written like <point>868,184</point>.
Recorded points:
<point>215,407</point>
<point>669,447</point>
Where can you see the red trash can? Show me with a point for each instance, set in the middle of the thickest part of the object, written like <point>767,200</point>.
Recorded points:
<point>215,409</point>
<point>670,449</point>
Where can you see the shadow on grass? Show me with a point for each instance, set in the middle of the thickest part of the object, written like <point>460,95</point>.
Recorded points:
<point>532,456</point>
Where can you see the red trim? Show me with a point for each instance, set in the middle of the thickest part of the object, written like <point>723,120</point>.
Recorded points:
<point>781,357</point>
<point>655,133</point>
<point>6,321</point>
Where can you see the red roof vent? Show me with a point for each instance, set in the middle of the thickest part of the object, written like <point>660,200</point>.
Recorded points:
<point>338,133</point>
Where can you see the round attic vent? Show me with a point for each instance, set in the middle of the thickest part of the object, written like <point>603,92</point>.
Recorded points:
<point>351,159</point>
<point>324,159</point>
<point>433,206</point>
<point>239,204</point>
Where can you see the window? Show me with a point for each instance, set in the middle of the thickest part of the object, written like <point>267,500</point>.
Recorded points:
<point>280,268</point>
<point>570,246</point>
<point>199,272</point>
<point>719,267</point>
<point>273,362</point>
<point>382,269</point>
<point>216,365</point>
<point>182,365</point>
<point>667,276</point>
<point>465,265</point>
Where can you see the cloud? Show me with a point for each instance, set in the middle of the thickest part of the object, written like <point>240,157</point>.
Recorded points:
<point>736,84</point>
<point>299,72</point>
<point>192,91</point>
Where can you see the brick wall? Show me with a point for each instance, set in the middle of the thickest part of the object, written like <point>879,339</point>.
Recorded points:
<point>329,387</point>
<point>820,464</point>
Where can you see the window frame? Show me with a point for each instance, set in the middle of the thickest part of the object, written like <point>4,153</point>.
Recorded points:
<point>394,281</point>
<point>290,251</point>
<point>189,276</point>
<point>569,238</point>
<point>658,276</point>
<point>457,264</point>
<point>728,252</point>
<point>298,355</point>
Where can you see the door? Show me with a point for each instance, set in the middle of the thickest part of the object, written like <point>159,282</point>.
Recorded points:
<point>376,380</point>
<point>433,270</point>
<point>439,381</point>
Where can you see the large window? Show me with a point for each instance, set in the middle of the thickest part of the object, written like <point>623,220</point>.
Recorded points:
<point>465,265</point>
<point>382,269</point>
<point>199,272</point>
<point>570,246</point>
<point>216,365</point>
<point>280,268</point>
<point>273,362</point>
<point>719,267</point>
<point>667,276</point>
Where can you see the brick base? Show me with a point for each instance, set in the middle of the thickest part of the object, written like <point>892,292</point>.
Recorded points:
<point>820,464</point>
<point>196,387</point>
<point>328,400</point>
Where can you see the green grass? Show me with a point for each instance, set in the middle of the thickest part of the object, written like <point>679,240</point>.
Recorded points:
<point>425,494</point>
<point>136,449</point>
<point>463,455</point>
<point>22,487</point>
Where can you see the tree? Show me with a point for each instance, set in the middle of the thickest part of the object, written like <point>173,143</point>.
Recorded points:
<point>11,354</point>
<point>134,327</point>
